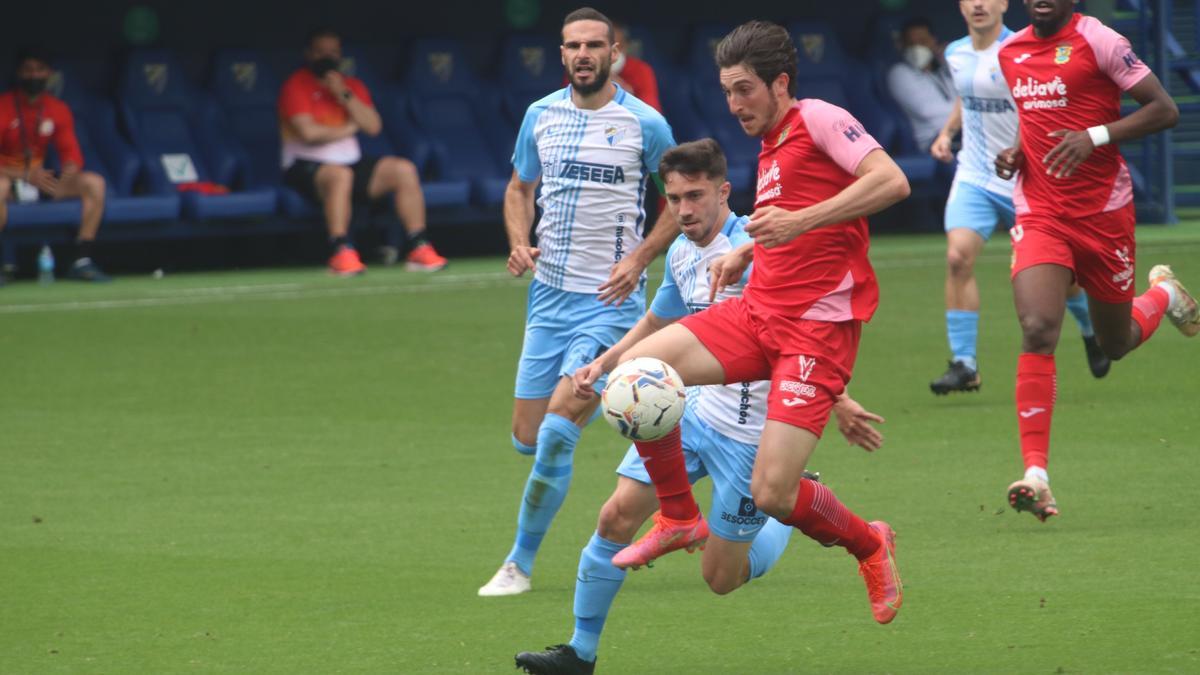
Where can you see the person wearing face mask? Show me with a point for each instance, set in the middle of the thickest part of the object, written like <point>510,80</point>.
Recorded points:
<point>921,83</point>
<point>321,111</point>
<point>30,120</point>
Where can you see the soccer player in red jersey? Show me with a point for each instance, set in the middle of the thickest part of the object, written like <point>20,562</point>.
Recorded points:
<point>798,321</point>
<point>1074,206</point>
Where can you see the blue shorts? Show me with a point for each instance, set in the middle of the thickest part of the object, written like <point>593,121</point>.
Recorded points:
<point>733,516</point>
<point>975,208</point>
<point>564,331</point>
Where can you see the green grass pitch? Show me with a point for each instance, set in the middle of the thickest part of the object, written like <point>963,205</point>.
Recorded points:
<point>281,472</point>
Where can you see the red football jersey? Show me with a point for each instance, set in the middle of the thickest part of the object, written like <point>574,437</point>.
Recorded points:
<point>46,120</point>
<point>1070,80</point>
<point>824,274</point>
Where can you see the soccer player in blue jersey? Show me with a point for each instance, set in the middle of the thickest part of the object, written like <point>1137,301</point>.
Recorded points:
<point>591,146</point>
<point>721,423</point>
<point>978,199</point>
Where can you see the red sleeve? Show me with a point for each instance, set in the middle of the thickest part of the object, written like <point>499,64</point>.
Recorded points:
<point>65,140</point>
<point>641,77</point>
<point>360,90</point>
<point>294,98</point>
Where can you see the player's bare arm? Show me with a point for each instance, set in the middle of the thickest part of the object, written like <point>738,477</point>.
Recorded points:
<point>586,376</point>
<point>623,280</point>
<point>941,148</point>
<point>518,221</point>
<point>880,184</point>
<point>314,134</point>
<point>1157,112</point>
<point>856,423</point>
<point>730,267</point>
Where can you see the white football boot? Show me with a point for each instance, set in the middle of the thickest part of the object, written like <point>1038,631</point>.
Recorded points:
<point>509,580</point>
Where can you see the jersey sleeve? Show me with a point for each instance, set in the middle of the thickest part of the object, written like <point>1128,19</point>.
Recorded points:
<point>668,302</point>
<point>1113,53</point>
<point>65,140</point>
<point>656,140</point>
<point>359,90</point>
<point>525,155</point>
<point>838,134</point>
<point>293,99</point>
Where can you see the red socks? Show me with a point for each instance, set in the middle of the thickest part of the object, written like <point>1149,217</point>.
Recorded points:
<point>1148,310</point>
<point>1037,387</point>
<point>664,463</point>
<point>820,515</point>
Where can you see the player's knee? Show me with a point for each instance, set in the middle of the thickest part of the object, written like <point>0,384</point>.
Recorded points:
<point>722,581</point>
<point>334,180</point>
<point>959,263</point>
<point>1115,349</point>
<point>92,184</point>
<point>524,433</point>
<point>773,498</point>
<point>616,522</point>
<point>1040,332</point>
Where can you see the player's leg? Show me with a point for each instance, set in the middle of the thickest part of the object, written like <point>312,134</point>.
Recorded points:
<point>6,186</point>
<point>1077,304</point>
<point>89,188</point>
<point>970,219</point>
<point>1040,294</point>
<point>334,187</point>
<point>399,177</point>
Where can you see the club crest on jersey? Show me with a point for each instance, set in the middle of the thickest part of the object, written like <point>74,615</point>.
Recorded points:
<point>783,135</point>
<point>614,134</point>
<point>1062,54</point>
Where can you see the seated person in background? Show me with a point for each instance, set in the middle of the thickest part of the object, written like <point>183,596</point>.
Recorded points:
<point>31,119</point>
<point>320,111</point>
<point>921,84</point>
<point>633,74</point>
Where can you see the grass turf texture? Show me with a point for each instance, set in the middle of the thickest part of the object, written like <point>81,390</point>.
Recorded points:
<point>280,472</point>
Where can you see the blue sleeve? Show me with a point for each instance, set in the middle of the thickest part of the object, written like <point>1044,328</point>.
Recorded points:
<point>656,136</point>
<point>668,303</point>
<point>525,156</point>
<point>739,237</point>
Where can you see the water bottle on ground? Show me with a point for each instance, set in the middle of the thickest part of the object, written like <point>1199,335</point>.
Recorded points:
<point>45,264</point>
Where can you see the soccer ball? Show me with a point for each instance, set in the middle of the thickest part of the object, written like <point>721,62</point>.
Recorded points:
<point>644,399</point>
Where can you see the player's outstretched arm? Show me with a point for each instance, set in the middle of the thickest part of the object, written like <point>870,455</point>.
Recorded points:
<point>856,423</point>
<point>1157,112</point>
<point>880,184</point>
<point>518,221</point>
<point>586,376</point>
<point>623,280</point>
<point>729,268</point>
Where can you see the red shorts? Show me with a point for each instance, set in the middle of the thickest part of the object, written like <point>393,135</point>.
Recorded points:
<point>1099,249</point>
<point>807,362</point>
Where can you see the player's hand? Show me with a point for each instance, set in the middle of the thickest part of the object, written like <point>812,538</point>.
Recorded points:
<point>855,423</point>
<point>1074,148</point>
<point>941,149</point>
<point>772,226</point>
<point>522,258</point>
<point>1009,162</point>
<point>335,83</point>
<point>622,281</point>
<point>584,378</point>
<point>43,180</point>
<point>724,271</point>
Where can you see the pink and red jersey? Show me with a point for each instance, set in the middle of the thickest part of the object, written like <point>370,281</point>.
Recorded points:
<point>823,274</point>
<point>1070,80</point>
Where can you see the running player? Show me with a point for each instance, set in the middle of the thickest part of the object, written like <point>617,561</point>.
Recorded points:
<point>1075,219</point>
<point>978,198</point>
<point>720,427</point>
<point>798,322</point>
<point>589,144</point>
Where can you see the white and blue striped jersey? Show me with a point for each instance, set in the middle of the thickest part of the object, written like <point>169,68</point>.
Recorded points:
<point>736,411</point>
<point>989,117</point>
<point>594,165</point>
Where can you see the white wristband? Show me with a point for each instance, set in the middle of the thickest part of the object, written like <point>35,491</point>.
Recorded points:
<point>1099,135</point>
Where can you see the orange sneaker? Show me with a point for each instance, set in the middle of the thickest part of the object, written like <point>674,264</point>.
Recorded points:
<point>424,259</point>
<point>346,263</point>
<point>1034,496</point>
<point>882,576</point>
<point>667,535</point>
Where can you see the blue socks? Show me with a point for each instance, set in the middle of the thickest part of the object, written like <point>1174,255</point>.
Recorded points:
<point>522,448</point>
<point>962,329</point>
<point>1078,307</point>
<point>595,588</point>
<point>768,546</point>
<point>546,488</point>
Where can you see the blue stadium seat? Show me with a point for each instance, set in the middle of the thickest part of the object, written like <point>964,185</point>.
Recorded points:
<point>818,50</point>
<point>167,120</point>
<point>740,150</point>
<point>530,68</point>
